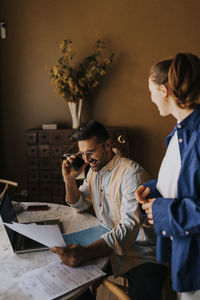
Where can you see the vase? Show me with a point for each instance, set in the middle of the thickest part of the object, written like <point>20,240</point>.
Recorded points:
<point>75,110</point>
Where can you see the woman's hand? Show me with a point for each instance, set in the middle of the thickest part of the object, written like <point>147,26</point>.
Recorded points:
<point>142,193</point>
<point>148,209</point>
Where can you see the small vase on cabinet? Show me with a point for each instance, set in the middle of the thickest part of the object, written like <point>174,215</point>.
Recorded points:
<point>75,110</point>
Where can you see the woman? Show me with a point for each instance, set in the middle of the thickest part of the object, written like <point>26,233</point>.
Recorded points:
<point>172,202</point>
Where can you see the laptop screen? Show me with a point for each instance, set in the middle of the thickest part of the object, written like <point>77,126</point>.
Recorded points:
<point>8,215</point>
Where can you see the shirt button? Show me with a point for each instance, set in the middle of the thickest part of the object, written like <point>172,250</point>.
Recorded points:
<point>164,232</point>
<point>179,126</point>
<point>180,140</point>
<point>187,232</point>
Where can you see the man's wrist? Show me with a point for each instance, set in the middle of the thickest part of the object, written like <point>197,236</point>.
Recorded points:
<point>68,180</point>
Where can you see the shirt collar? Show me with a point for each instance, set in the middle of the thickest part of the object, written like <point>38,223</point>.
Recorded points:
<point>110,165</point>
<point>192,120</point>
<point>189,123</point>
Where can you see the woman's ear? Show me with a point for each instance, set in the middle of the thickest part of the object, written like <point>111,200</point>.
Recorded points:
<point>164,90</point>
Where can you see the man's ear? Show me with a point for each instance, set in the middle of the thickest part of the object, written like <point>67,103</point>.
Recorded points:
<point>164,90</point>
<point>108,144</point>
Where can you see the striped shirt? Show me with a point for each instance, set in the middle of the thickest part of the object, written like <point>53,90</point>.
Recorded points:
<point>111,191</point>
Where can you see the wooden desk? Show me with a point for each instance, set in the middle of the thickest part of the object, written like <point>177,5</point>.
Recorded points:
<point>14,265</point>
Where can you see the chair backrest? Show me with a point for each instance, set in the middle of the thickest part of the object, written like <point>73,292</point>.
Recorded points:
<point>115,289</point>
<point>7,183</point>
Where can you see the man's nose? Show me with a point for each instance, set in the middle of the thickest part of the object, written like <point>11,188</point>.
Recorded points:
<point>86,158</point>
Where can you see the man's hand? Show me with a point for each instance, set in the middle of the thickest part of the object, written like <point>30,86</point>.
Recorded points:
<point>68,171</point>
<point>148,209</point>
<point>142,193</point>
<point>74,255</point>
<point>71,255</point>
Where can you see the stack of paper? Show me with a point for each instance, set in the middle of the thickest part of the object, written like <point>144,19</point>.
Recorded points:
<point>56,280</point>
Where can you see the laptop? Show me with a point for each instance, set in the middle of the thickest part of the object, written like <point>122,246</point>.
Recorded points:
<point>19,242</point>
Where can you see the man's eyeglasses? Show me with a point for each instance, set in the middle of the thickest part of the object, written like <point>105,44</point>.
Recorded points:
<point>89,153</point>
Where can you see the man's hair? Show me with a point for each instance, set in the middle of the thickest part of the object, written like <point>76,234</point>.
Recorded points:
<point>90,129</point>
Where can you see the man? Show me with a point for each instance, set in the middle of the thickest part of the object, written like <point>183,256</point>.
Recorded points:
<point>110,187</point>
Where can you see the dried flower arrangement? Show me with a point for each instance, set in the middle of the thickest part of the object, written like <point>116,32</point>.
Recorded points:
<point>74,84</point>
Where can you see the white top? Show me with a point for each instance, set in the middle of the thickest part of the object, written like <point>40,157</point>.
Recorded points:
<point>170,170</point>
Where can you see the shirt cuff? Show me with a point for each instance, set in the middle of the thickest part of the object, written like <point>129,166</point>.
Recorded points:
<point>162,225</point>
<point>79,205</point>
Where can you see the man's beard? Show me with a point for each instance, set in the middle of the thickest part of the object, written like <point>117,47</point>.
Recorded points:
<point>101,162</point>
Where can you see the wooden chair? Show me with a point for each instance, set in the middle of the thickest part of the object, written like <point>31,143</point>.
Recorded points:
<point>7,183</point>
<point>120,290</point>
<point>116,289</point>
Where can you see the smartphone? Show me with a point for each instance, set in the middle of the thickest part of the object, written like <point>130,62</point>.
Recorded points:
<point>77,163</point>
<point>37,207</point>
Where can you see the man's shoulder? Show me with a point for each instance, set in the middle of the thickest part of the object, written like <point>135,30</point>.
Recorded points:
<point>127,162</point>
<point>133,167</point>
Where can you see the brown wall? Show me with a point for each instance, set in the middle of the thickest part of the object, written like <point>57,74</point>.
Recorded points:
<point>140,32</point>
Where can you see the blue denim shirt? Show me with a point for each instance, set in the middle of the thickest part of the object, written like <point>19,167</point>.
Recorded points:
<point>177,221</point>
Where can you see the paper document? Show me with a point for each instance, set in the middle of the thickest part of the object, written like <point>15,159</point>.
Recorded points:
<point>56,279</point>
<point>48,235</point>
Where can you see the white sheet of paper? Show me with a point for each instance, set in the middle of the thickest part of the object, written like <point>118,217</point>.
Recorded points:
<point>56,279</point>
<point>48,235</point>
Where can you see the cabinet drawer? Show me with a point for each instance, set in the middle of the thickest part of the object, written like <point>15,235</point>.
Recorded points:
<point>68,149</point>
<point>43,137</point>
<point>44,163</point>
<point>44,176</point>
<point>33,176</point>
<point>67,137</point>
<point>31,137</point>
<point>56,176</point>
<point>58,189</point>
<point>32,163</point>
<point>45,189</point>
<point>56,163</point>
<point>56,150</point>
<point>32,151</point>
<point>44,150</point>
<point>33,189</point>
<point>57,137</point>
